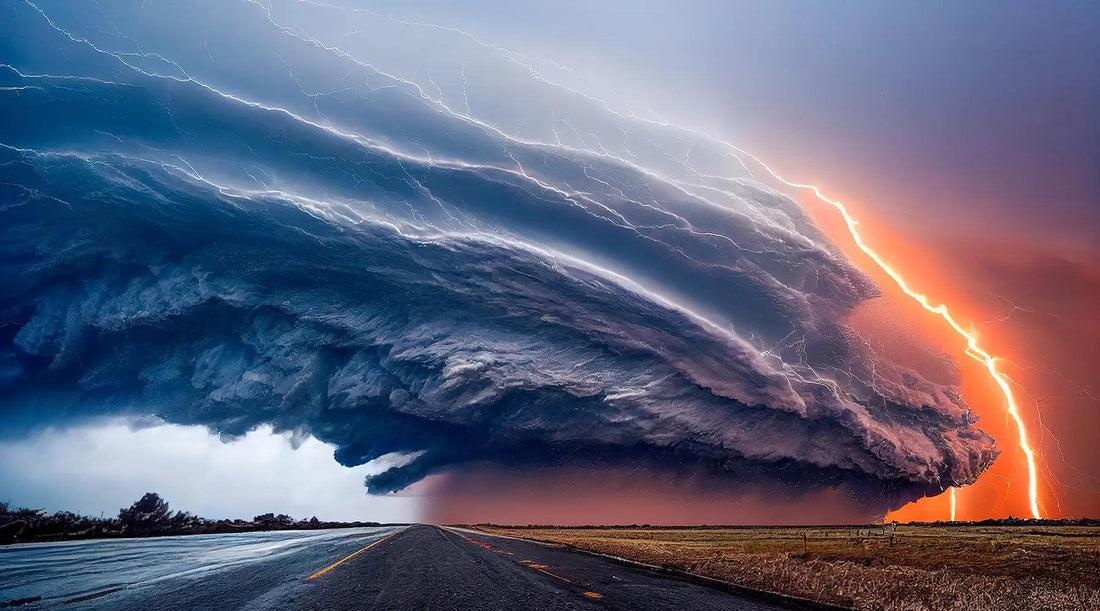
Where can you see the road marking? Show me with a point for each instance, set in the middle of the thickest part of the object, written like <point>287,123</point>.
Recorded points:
<point>476,542</point>
<point>593,595</point>
<point>549,573</point>
<point>348,557</point>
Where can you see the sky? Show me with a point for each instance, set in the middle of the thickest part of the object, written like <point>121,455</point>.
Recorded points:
<point>192,470</point>
<point>984,113</point>
<point>963,138</point>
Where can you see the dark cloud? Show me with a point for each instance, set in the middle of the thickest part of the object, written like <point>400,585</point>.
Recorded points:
<point>300,239</point>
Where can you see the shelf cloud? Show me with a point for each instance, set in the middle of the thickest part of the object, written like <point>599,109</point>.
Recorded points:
<point>288,217</point>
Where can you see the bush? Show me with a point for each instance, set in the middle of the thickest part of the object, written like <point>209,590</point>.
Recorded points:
<point>149,514</point>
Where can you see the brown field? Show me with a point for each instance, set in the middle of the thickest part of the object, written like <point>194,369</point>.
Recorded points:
<point>928,566</point>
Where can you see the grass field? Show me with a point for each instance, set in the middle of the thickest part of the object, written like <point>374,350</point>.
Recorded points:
<point>930,566</point>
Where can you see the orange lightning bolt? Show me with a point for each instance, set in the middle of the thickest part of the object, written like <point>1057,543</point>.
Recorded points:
<point>973,350</point>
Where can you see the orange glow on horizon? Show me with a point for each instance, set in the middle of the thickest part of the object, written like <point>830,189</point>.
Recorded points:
<point>973,349</point>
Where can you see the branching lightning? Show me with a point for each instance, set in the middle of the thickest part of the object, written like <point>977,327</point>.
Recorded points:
<point>973,350</point>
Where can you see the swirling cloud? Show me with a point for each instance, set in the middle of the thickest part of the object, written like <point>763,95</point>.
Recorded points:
<point>258,226</point>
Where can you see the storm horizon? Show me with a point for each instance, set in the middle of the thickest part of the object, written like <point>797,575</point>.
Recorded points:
<point>501,283</point>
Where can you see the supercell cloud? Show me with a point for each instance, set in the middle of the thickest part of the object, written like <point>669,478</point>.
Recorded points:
<point>399,239</point>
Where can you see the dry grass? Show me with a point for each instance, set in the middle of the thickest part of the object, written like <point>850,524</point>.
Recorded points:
<point>907,567</point>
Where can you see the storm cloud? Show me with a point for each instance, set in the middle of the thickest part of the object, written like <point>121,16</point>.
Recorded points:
<point>397,238</point>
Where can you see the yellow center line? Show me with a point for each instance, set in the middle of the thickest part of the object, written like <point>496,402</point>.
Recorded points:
<point>345,559</point>
<point>551,574</point>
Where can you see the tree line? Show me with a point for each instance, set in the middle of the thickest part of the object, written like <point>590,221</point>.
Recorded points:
<point>149,516</point>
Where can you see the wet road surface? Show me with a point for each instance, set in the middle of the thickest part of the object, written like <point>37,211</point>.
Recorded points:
<point>416,567</point>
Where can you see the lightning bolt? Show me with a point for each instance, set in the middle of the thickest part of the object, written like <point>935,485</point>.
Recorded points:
<point>953,502</point>
<point>973,350</point>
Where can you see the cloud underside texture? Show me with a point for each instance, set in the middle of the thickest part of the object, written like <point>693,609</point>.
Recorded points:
<point>399,249</point>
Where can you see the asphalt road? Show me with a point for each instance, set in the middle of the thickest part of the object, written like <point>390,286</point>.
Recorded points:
<point>418,567</point>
